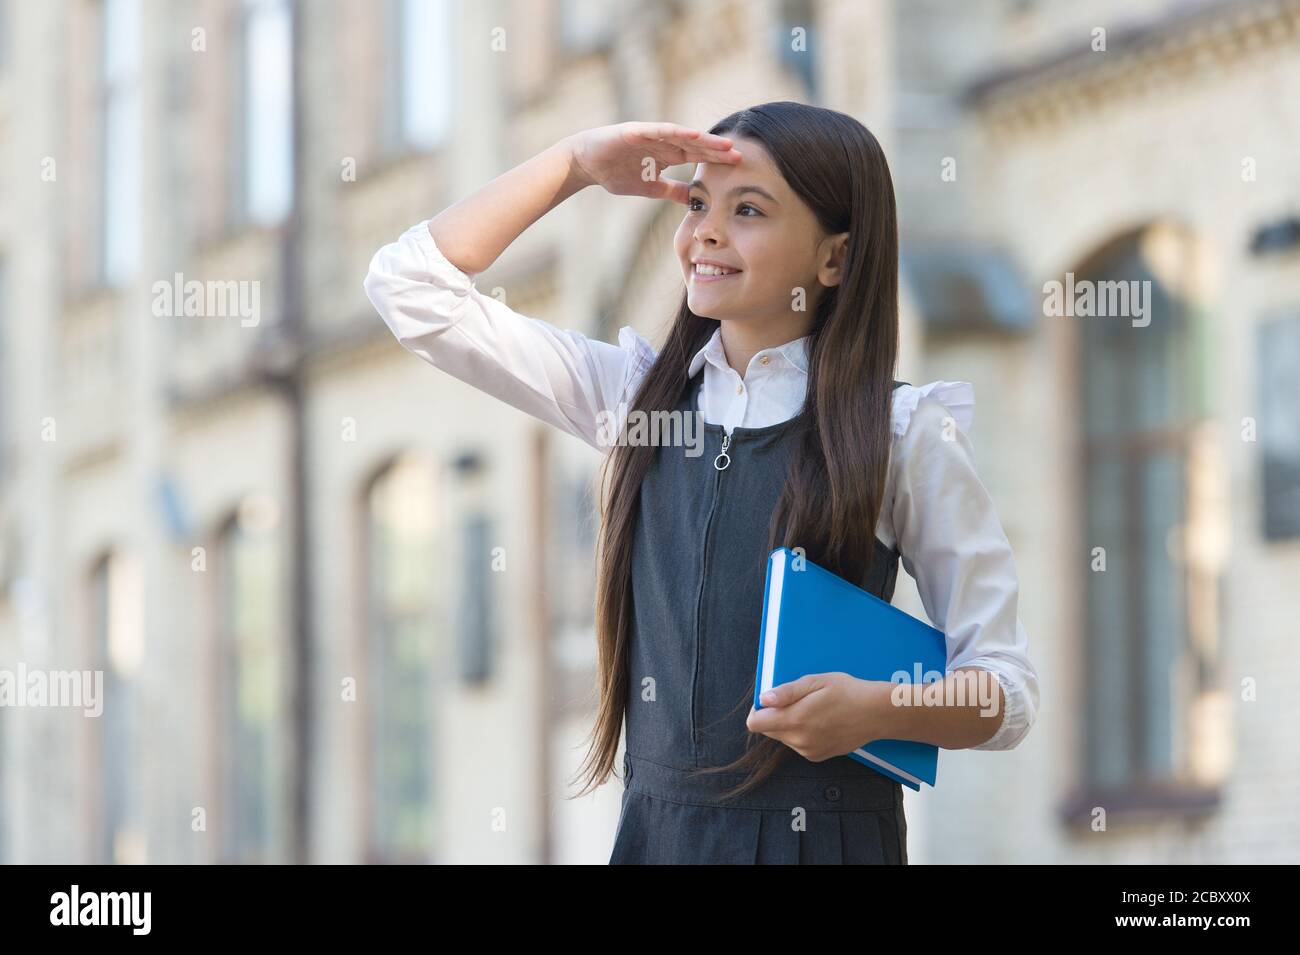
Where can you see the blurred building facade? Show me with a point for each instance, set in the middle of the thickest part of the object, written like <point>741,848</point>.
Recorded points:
<point>342,603</point>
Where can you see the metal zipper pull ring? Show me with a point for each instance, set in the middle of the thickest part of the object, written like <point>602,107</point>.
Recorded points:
<point>723,458</point>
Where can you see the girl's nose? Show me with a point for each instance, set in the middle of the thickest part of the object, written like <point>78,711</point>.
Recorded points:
<point>706,231</point>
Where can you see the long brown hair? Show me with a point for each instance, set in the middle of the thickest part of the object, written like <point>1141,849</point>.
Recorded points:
<point>832,496</point>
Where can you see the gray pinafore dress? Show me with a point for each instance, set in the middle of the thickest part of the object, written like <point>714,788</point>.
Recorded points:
<point>699,562</point>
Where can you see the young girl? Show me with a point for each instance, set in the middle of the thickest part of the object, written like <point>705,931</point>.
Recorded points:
<point>785,344</point>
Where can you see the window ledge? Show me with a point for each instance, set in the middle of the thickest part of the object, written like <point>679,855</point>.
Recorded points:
<point>1143,803</point>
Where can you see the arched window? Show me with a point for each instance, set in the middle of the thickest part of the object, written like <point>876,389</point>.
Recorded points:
<point>250,702</point>
<point>1150,644</point>
<point>402,640</point>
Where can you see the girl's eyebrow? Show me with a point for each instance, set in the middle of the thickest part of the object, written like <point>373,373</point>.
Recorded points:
<point>696,184</point>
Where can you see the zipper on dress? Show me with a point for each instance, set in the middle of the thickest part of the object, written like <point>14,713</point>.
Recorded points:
<point>723,458</point>
<point>720,464</point>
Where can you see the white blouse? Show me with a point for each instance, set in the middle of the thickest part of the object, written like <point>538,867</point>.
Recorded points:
<point>936,511</point>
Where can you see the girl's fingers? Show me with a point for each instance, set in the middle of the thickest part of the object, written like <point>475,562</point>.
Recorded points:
<point>684,136</point>
<point>694,152</point>
<point>710,141</point>
<point>678,144</point>
<point>707,156</point>
<point>674,190</point>
<point>656,131</point>
<point>698,146</point>
<point>713,155</point>
<point>702,139</point>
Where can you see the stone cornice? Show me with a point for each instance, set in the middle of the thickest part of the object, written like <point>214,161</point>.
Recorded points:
<point>1189,40</point>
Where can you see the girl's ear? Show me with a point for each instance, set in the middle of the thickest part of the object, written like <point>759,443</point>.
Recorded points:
<point>834,249</point>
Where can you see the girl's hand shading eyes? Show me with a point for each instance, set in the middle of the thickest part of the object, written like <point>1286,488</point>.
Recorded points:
<point>626,159</point>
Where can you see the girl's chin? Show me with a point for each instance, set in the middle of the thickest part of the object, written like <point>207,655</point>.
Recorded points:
<point>708,310</point>
<point>710,302</point>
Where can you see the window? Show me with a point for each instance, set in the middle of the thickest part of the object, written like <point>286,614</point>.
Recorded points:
<point>7,397</point>
<point>570,584</point>
<point>4,801</point>
<point>261,141</point>
<point>120,142</point>
<point>116,605</point>
<point>476,618</point>
<point>402,641</point>
<point>1279,426</point>
<point>797,51</point>
<point>4,783</point>
<point>6,24</point>
<point>420,72</point>
<point>249,601</point>
<point>1149,659</point>
<point>585,25</point>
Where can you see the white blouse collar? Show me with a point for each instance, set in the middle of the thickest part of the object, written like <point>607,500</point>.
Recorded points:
<point>957,396</point>
<point>794,352</point>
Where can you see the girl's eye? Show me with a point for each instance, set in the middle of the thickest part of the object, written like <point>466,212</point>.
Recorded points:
<point>690,204</point>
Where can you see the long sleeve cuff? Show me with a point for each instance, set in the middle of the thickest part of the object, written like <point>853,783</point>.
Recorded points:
<point>1018,709</point>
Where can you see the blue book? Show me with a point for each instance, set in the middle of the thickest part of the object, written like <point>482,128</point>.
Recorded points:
<point>815,621</point>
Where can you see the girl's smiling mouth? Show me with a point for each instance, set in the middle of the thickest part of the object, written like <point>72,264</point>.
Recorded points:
<point>706,271</point>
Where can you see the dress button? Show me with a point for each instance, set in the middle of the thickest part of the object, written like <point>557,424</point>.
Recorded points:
<point>833,793</point>
<point>740,389</point>
<point>764,360</point>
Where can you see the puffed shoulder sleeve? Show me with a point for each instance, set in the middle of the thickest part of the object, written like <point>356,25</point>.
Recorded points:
<point>953,545</point>
<point>956,396</point>
<point>560,376</point>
